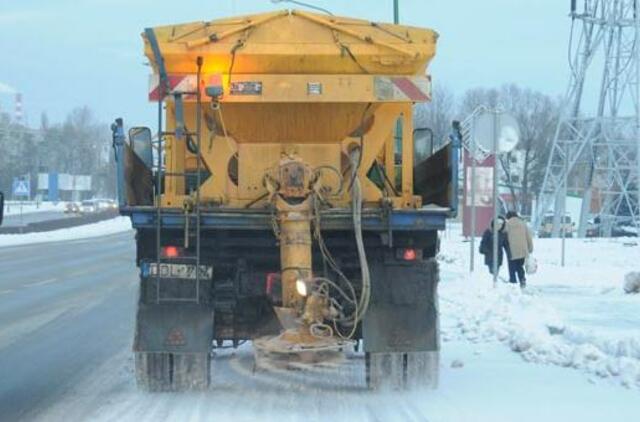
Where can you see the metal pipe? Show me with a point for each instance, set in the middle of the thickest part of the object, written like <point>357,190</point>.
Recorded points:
<point>158,197</point>
<point>396,12</point>
<point>636,54</point>
<point>199,62</point>
<point>295,248</point>
<point>473,194</point>
<point>496,122</point>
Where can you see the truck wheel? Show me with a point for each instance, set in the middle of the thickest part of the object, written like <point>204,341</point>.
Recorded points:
<point>156,372</point>
<point>398,370</point>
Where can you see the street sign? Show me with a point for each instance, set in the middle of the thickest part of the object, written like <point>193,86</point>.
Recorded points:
<point>21,187</point>
<point>490,127</point>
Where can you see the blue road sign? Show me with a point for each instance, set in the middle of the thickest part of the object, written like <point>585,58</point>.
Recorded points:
<point>21,187</point>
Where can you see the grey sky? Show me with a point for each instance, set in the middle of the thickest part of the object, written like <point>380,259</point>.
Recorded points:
<point>66,53</point>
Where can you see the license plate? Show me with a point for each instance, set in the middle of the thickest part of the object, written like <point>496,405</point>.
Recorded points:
<point>182,271</point>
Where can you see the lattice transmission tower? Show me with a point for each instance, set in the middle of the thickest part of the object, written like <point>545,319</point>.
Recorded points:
<point>597,142</point>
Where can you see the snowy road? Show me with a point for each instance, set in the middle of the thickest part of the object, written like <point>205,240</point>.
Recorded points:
<point>17,220</point>
<point>66,323</point>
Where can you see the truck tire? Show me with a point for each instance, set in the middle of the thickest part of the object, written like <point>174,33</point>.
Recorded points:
<point>157,372</point>
<point>397,371</point>
<point>403,369</point>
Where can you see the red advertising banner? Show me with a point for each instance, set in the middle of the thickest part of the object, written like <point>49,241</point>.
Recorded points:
<point>483,197</point>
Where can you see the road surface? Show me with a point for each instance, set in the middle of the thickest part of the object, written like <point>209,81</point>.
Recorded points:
<point>64,309</point>
<point>66,325</point>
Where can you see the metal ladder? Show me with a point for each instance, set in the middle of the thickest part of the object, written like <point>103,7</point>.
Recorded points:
<point>180,134</point>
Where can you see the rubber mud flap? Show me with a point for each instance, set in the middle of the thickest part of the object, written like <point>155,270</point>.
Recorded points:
<point>175,328</point>
<point>403,313</point>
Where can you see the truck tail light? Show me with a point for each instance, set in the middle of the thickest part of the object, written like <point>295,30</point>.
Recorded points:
<point>409,254</point>
<point>171,251</point>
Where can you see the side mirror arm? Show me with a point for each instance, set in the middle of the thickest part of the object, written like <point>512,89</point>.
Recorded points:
<point>1,207</point>
<point>117,129</point>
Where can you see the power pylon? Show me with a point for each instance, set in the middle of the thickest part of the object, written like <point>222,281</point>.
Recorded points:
<point>596,149</point>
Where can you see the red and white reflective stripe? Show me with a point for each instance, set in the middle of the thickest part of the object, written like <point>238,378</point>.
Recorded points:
<point>410,89</point>
<point>403,88</point>
<point>177,84</point>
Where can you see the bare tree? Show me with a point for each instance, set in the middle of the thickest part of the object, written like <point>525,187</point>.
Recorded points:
<point>537,115</point>
<point>437,114</point>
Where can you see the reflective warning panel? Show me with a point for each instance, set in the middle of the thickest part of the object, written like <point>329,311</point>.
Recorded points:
<point>246,88</point>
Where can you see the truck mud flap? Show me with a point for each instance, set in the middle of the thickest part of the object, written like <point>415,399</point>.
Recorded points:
<point>403,312</point>
<point>174,328</point>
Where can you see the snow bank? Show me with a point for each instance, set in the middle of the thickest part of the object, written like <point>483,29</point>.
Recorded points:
<point>102,228</point>
<point>529,324</point>
<point>632,283</point>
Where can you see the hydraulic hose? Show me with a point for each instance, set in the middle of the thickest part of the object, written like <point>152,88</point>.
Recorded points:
<point>356,208</point>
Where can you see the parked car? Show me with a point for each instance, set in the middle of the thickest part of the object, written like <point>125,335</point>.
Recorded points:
<point>596,228</point>
<point>105,204</point>
<point>546,228</point>
<point>72,208</point>
<point>88,206</point>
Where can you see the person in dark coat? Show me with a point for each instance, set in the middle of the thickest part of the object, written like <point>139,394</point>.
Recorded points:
<point>486,244</point>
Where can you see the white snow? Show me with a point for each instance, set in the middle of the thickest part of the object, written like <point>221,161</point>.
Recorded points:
<point>575,316</point>
<point>102,228</point>
<point>565,350</point>
<point>14,207</point>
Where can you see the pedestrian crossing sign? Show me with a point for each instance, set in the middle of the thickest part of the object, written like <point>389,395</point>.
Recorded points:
<point>21,187</point>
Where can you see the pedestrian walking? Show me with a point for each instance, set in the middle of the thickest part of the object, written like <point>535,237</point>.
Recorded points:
<point>520,246</point>
<point>486,244</point>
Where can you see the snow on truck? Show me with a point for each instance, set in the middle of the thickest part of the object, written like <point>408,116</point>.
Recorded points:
<point>287,198</point>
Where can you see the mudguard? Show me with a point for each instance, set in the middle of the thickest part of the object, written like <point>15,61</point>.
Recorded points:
<point>403,312</point>
<point>174,328</point>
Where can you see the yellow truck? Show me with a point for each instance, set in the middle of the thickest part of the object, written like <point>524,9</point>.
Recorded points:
<point>287,198</point>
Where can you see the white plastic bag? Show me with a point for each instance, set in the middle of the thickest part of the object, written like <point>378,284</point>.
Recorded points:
<point>531,265</point>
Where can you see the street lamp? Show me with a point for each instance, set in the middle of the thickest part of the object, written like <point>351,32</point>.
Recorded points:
<point>299,3</point>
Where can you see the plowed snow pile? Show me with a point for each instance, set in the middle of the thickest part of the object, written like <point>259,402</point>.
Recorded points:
<point>575,316</point>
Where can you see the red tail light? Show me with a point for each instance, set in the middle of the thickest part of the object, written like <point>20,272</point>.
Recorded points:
<point>171,251</point>
<point>409,254</point>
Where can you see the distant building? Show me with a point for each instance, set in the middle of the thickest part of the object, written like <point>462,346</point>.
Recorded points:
<point>64,187</point>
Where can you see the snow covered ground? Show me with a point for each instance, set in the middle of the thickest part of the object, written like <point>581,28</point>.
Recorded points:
<point>13,207</point>
<point>566,350</point>
<point>102,228</point>
<point>576,316</point>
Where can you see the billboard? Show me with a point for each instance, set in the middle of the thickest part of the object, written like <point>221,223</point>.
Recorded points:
<point>483,197</point>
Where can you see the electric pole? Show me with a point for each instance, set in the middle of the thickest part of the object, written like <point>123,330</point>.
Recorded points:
<point>396,12</point>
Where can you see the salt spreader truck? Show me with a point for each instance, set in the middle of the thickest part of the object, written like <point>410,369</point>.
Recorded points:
<point>287,199</point>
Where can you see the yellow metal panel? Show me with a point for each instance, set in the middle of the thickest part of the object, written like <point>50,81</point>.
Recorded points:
<point>407,153</point>
<point>295,43</point>
<point>292,123</point>
<point>360,66</point>
<point>218,188</point>
<point>298,88</point>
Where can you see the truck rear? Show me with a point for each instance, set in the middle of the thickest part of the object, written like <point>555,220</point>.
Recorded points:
<point>287,198</point>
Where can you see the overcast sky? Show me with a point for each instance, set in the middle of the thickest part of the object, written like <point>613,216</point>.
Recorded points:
<point>66,53</point>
